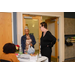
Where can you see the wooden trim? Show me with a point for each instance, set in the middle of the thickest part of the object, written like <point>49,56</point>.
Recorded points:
<point>40,32</point>
<point>56,35</point>
<point>54,56</point>
<point>49,20</point>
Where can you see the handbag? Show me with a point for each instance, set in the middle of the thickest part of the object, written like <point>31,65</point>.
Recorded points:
<point>31,50</point>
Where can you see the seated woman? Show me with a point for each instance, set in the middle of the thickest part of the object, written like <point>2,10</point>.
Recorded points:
<point>27,40</point>
<point>9,50</point>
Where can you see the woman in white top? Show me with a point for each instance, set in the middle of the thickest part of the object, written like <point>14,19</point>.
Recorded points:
<point>28,42</point>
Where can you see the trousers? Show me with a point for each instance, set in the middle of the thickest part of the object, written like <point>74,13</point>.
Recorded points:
<point>46,51</point>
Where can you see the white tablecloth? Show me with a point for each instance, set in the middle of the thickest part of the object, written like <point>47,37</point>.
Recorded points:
<point>39,59</point>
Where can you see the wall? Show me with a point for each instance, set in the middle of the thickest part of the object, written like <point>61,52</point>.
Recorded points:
<point>66,15</point>
<point>45,17</point>
<point>61,28</point>
<point>69,28</point>
<point>15,27</point>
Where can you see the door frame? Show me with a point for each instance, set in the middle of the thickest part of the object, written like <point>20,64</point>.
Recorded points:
<point>12,25</point>
<point>51,14</point>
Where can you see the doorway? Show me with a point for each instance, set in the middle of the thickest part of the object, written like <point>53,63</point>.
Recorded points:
<point>53,23</point>
<point>33,23</point>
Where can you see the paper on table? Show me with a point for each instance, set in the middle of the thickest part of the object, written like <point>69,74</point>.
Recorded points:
<point>33,58</point>
<point>25,56</point>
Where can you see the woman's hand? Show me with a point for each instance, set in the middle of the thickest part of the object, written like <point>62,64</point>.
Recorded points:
<point>31,44</point>
<point>25,52</point>
<point>47,45</point>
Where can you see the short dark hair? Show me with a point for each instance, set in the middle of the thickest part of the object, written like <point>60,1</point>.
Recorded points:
<point>9,48</point>
<point>44,24</point>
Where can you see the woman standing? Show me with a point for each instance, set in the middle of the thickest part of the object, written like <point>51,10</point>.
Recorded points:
<point>27,40</point>
<point>47,41</point>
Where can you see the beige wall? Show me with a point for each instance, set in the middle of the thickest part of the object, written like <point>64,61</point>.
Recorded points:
<point>61,28</point>
<point>69,28</point>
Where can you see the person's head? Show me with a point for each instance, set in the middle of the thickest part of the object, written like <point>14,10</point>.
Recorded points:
<point>26,30</point>
<point>43,26</point>
<point>9,48</point>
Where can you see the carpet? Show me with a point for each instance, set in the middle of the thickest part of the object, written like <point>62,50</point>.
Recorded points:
<point>70,60</point>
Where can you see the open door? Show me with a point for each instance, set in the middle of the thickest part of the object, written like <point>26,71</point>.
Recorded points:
<point>5,29</point>
<point>53,28</point>
<point>33,23</point>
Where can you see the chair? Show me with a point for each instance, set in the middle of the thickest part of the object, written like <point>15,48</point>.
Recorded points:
<point>1,60</point>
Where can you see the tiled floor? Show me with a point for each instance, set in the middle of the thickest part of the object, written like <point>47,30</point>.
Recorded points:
<point>73,60</point>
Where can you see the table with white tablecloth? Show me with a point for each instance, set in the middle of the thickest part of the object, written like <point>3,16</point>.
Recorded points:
<point>39,59</point>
